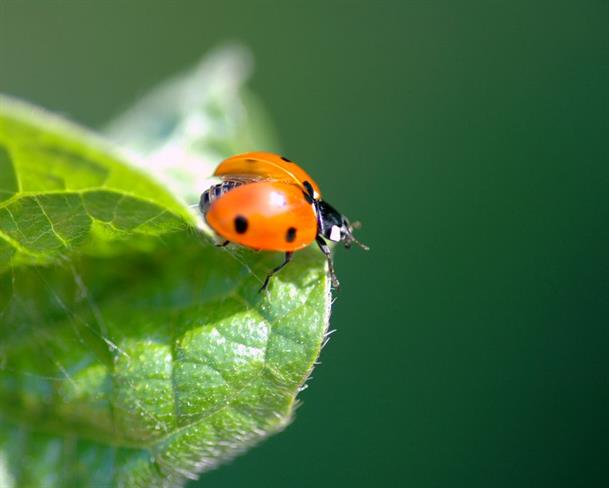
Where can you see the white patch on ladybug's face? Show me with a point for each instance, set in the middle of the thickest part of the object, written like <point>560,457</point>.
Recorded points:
<point>277,199</point>
<point>335,233</point>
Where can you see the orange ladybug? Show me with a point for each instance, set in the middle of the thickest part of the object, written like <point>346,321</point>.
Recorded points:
<point>267,202</point>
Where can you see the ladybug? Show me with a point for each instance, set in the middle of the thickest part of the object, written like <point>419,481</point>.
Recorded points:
<point>267,202</point>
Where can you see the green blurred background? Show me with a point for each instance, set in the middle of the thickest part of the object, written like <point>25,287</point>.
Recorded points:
<point>471,139</point>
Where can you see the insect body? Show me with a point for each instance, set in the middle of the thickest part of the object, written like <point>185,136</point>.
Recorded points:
<point>267,202</point>
<point>265,215</point>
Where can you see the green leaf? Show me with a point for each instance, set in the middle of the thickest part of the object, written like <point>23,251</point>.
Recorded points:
<point>63,189</point>
<point>132,351</point>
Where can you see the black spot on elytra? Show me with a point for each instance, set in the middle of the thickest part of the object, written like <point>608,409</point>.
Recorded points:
<point>308,197</point>
<point>290,234</point>
<point>310,193</point>
<point>240,224</point>
<point>285,159</point>
<point>309,187</point>
<point>248,160</point>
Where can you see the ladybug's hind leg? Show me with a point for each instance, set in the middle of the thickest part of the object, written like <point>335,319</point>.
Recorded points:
<point>287,259</point>
<point>222,244</point>
<point>326,250</point>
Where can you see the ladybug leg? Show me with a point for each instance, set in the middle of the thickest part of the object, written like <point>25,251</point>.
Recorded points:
<point>326,250</point>
<point>224,244</point>
<point>287,259</point>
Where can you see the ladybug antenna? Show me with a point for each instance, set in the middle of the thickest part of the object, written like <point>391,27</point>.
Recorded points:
<point>351,238</point>
<point>360,244</point>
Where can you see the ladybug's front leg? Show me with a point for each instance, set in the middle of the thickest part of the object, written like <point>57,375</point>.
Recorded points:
<point>326,250</point>
<point>288,258</point>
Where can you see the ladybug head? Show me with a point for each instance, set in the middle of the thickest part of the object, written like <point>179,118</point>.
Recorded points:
<point>335,226</point>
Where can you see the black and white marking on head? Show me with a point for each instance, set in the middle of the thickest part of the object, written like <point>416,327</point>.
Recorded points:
<point>290,234</point>
<point>240,224</point>
<point>335,234</point>
<point>331,223</point>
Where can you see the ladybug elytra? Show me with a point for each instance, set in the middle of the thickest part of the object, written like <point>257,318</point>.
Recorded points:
<point>267,202</point>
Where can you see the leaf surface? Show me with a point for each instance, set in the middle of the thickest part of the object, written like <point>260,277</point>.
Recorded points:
<point>132,351</point>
